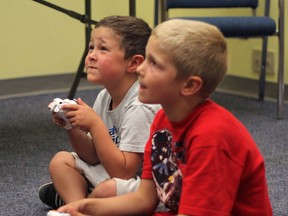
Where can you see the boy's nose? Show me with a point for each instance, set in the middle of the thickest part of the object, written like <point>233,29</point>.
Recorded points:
<point>92,55</point>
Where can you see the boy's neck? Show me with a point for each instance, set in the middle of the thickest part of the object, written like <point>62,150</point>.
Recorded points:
<point>179,111</point>
<point>117,94</point>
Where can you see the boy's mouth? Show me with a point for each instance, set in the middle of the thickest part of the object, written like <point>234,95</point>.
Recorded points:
<point>142,85</point>
<point>143,88</point>
<point>91,68</point>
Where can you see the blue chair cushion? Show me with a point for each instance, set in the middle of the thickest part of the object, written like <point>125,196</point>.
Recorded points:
<point>211,3</point>
<point>241,26</point>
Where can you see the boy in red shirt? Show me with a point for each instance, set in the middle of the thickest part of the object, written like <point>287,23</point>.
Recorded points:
<point>199,159</point>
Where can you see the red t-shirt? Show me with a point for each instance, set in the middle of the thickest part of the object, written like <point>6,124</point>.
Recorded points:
<point>207,164</point>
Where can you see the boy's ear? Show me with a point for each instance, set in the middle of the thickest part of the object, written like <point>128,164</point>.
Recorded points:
<point>135,61</point>
<point>192,85</point>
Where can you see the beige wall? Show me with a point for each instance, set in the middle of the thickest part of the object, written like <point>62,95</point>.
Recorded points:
<point>37,40</point>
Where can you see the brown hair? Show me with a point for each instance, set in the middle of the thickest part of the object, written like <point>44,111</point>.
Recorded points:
<point>133,32</point>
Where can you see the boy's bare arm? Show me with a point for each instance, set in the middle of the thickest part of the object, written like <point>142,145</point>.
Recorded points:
<point>117,163</point>
<point>142,202</point>
<point>83,146</point>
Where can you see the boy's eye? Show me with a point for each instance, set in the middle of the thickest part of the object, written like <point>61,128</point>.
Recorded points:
<point>103,48</point>
<point>91,47</point>
<point>152,62</point>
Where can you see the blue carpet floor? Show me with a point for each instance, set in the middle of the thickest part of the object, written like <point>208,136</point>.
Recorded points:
<point>28,140</point>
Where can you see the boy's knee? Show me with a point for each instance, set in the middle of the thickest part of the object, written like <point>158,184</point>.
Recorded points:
<point>61,158</point>
<point>104,189</point>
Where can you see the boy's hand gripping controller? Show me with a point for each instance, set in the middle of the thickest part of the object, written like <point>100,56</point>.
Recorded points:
<point>56,107</point>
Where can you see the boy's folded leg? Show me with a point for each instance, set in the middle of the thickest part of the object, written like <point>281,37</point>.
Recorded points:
<point>49,195</point>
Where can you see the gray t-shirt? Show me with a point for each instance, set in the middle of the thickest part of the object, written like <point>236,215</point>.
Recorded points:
<point>129,123</point>
<point>129,127</point>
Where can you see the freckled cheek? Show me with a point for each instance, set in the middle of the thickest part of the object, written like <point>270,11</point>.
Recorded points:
<point>104,63</point>
<point>105,69</point>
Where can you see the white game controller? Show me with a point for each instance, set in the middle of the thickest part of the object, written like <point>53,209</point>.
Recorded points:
<point>56,106</point>
<point>55,213</point>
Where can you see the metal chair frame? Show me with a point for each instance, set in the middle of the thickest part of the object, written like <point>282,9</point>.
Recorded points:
<point>279,32</point>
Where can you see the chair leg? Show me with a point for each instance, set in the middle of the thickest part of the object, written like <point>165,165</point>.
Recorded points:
<point>78,77</point>
<point>156,12</point>
<point>80,72</point>
<point>262,78</point>
<point>162,10</point>
<point>281,84</point>
<point>132,8</point>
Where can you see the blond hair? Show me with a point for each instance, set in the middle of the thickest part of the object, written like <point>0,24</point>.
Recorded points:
<point>196,49</point>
